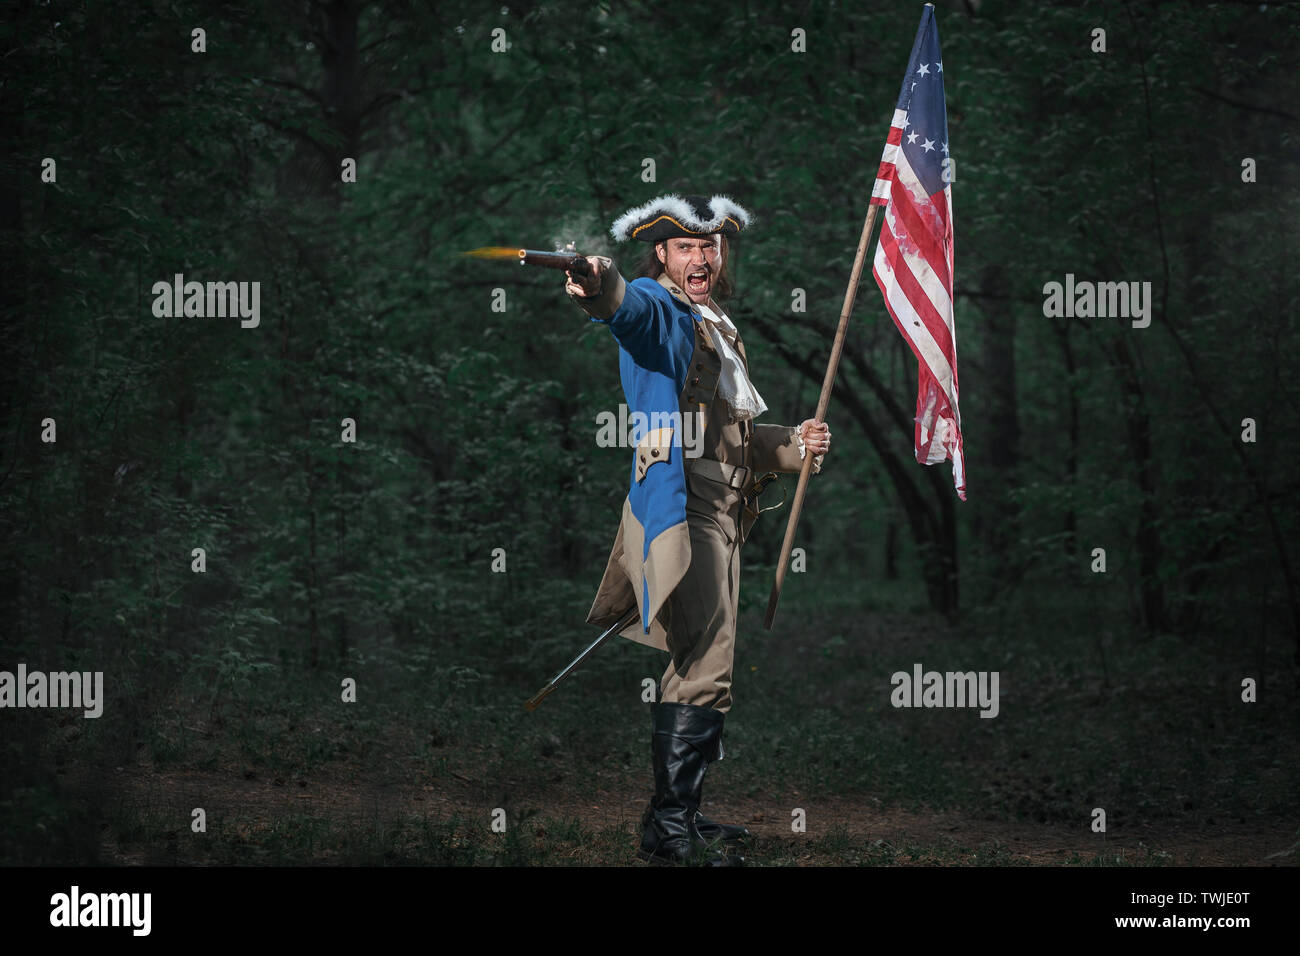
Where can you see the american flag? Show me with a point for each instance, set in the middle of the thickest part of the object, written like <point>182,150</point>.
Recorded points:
<point>913,262</point>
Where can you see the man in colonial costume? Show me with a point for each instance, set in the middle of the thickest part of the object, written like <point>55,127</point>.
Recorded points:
<point>690,504</point>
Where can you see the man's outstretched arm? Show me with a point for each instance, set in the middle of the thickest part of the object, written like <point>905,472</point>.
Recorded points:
<point>641,321</point>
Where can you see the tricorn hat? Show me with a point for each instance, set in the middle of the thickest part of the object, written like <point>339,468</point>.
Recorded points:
<point>680,217</point>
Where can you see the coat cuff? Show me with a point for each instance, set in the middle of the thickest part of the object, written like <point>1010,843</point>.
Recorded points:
<point>609,299</point>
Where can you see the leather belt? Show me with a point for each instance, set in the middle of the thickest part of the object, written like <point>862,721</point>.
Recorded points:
<point>719,471</point>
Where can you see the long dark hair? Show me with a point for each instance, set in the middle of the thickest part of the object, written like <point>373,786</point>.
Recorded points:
<point>652,268</point>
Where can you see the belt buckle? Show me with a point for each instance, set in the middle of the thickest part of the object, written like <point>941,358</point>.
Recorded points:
<point>738,469</point>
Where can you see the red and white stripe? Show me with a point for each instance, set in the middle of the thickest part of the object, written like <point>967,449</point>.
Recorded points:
<point>914,267</point>
<point>885,175</point>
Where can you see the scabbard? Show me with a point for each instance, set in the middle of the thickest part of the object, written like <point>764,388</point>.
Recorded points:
<point>629,617</point>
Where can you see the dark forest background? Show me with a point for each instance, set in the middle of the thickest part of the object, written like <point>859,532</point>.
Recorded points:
<point>476,428</point>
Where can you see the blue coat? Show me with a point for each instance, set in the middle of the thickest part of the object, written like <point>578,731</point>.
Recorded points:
<point>654,324</point>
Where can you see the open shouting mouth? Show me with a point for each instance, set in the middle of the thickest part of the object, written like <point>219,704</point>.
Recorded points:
<point>697,282</point>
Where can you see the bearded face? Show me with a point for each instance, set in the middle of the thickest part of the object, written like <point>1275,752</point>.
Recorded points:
<point>693,264</point>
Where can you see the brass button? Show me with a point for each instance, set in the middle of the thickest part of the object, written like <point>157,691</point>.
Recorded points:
<point>695,380</point>
<point>654,453</point>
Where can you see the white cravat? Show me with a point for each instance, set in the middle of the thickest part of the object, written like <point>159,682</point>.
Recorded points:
<point>737,390</point>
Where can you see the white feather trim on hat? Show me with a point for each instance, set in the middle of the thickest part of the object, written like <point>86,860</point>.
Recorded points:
<point>724,206</point>
<point>673,205</point>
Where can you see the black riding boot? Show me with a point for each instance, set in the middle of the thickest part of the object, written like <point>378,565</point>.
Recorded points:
<point>710,830</point>
<point>686,739</point>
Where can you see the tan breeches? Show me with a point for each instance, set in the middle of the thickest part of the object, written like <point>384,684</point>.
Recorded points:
<point>700,620</point>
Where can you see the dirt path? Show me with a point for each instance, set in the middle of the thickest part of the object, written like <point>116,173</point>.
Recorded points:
<point>244,806</point>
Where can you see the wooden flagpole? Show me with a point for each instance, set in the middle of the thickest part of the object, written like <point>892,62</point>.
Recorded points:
<point>827,384</point>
